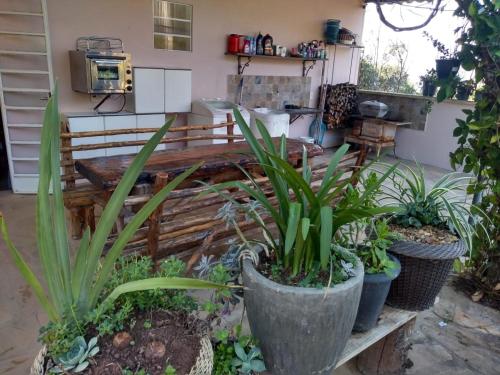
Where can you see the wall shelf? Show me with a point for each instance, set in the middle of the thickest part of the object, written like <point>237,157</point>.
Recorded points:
<point>303,60</point>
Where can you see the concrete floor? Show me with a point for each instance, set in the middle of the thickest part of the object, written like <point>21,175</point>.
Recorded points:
<point>469,343</point>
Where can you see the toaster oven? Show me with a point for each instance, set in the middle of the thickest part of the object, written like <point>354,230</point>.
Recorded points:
<point>100,70</point>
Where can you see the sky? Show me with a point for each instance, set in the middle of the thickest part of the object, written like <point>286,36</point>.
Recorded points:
<point>421,52</point>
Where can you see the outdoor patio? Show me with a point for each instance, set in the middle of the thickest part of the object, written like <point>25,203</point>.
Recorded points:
<point>203,187</point>
<point>455,337</point>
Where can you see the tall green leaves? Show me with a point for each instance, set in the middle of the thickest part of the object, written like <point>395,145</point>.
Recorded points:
<point>73,289</point>
<point>303,213</point>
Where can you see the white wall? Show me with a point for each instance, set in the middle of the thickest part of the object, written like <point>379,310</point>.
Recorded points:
<point>433,145</point>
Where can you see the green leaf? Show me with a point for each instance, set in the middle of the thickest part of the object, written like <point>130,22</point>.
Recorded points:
<point>131,228</point>
<point>441,95</point>
<point>472,9</point>
<point>26,272</point>
<point>159,283</point>
<point>305,225</point>
<point>110,214</point>
<point>240,352</point>
<point>292,226</point>
<point>326,235</point>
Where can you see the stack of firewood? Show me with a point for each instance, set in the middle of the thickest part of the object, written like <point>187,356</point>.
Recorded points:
<point>340,103</point>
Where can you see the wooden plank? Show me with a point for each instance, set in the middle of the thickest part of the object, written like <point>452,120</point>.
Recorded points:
<point>390,320</point>
<point>106,172</point>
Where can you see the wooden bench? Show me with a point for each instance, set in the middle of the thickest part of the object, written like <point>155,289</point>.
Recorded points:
<point>187,225</point>
<point>80,194</point>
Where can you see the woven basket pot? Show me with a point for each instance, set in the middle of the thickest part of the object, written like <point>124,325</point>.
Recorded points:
<point>203,366</point>
<point>424,269</point>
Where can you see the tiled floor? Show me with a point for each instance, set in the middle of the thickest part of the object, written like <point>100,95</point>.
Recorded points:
<point>468,344</point>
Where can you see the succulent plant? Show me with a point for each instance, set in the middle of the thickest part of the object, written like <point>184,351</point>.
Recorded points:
<point>204,266</point>
<point>248,363</point>
<point>76,358</point>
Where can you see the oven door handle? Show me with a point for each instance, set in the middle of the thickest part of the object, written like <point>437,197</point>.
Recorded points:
<point>100,57</point>
<point>107,62</point>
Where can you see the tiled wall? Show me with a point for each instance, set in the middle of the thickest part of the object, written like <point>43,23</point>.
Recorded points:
<point>269,91</point>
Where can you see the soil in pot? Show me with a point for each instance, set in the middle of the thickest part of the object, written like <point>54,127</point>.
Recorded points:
<point>375,290</point>
<point>446,68</point>
<point>157,339</point>
<point>426,234</point>
<point>301,331</point>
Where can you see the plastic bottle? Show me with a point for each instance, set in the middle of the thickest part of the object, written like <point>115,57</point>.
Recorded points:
<point>259,47</point>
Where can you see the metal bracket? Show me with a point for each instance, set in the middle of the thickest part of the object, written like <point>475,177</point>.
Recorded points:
<point>306,70</point>
<point>241,67</point>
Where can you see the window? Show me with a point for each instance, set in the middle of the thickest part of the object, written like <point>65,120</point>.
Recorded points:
<point>173,26</point>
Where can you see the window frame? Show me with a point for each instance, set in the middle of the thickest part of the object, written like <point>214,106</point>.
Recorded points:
<point>190,21</point>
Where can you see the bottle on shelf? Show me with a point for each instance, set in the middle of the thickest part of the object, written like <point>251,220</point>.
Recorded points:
<point>259,50</point>
<point>267,43</point>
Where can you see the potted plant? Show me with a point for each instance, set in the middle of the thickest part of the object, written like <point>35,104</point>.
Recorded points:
<point>436,225</point>
<point>381,269</point>
<point>429,80</point>
<point>302,291</point>
<point>448,63</point>
<point>464,89</point>
<point>83,296</point>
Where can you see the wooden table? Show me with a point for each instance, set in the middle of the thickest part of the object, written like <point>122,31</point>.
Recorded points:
<point>219,163</point>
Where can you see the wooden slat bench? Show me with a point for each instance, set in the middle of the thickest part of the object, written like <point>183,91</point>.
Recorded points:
<point>187,225</point>
<point>79,193</point>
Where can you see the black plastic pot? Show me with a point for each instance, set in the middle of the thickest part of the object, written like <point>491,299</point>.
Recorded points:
<point>428,88</point>
<point>447,67</point>
<point>463,92</point>
<point>375,290</point>
<point>424,269</point>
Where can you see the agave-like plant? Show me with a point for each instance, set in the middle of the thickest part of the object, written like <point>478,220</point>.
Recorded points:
<point>74,287</point>
<point>306,218</point>
<point>443,203</point>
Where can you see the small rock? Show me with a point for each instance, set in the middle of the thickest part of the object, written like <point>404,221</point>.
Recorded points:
<point>122,340</point>
<point>155,350</point>
<point>476,297</point>
<point>116,356</point>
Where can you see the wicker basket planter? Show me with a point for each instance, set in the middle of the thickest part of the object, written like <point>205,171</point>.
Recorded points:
<point>203,366</point>
<point>424,269</point>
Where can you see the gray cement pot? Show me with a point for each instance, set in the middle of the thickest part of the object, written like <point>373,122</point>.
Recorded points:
<point>301,331</point>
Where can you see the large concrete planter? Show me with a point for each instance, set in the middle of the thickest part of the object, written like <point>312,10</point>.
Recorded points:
<point>301,331</point>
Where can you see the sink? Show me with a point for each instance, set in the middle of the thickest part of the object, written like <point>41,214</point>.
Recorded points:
<point>276,122</point>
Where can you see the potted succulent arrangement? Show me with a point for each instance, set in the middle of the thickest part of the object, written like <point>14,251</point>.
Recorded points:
<point>371,239</point>
<point>429,80</point>
<point>302,291</point>
<point>96,309</point>
<point>464,89</point>
<point>448,63</point>
<point>436,225</point>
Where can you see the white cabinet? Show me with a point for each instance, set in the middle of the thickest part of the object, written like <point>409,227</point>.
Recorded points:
<point>158,90</point>
<point>149,90</point>
<point>120,122</point>
<point>91,123</point>
<point>150,121</point>
<point>177,91</point>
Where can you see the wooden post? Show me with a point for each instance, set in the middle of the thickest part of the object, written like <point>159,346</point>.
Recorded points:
<point>230,127</point>
<point>389,355</point>
<point>363,152</point>
<point>155,218</point>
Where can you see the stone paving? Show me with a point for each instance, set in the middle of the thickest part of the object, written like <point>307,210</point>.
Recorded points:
<point>455,337</point>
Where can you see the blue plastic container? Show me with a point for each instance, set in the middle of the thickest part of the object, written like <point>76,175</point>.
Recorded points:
<point>332,31</point>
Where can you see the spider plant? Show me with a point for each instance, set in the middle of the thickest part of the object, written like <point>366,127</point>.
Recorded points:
<point>73,287</point>
<point>443,204</point>
<point>307,215</point>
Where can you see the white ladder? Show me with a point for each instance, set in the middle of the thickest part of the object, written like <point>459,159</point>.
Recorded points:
<point>26,81</point>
